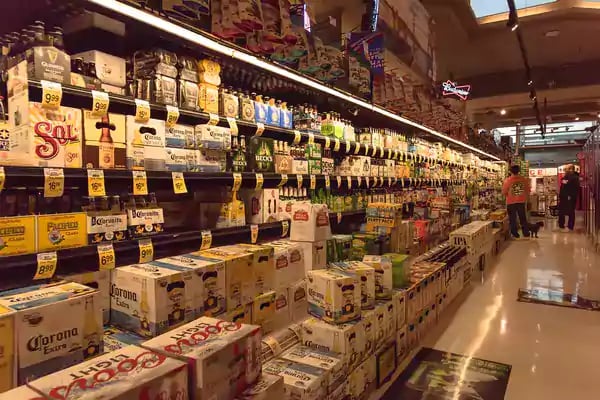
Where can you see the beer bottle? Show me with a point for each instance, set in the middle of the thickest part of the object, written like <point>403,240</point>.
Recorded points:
<point>106,148</point>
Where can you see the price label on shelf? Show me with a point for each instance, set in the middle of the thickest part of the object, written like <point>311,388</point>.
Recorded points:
<point>349,180</point>
<point>146,250</point>
<point>359,179</point>
<point>179,186</point>
<point>140,183</point>
<point>327,142</point>
<point>206,240</point>
<point>311,138</point>
<point>367,148</point>
<point>313,182</point>
<point>336,144</point>
<point>339,217</point>
<point>348,145</point>
<point>283,181</point>
<point>54,182</point>
<point>327,182</point>
<point>297,137</point>
<point>100,103</point>
<point>381,181</point>
<point>96,185</point>
<point>233,126</point>
<point>368,181</point>
<point>339,181</point>
<point>172,116</point>
<point>357,148</point>
<point>380,151</point>
<point>253,233</point>
<point>51,94</point>
<point>285,228</point>
<point>2,178</point>
<point>237,181</point>
<point>46,265</point>
<point>374,151</point>
<point>260,128</point>
<point>142,110</point>
<point>396,154</point>
<point>300,180</point>
<point>259,181</point>
<point>106,256</point>
<point>389,154</point>
<point>213,119</point>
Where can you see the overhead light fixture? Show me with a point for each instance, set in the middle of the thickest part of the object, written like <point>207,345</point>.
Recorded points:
<point>503,112</point>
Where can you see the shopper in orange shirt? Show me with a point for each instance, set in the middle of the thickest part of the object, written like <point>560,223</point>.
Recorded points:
<point>516,189</point>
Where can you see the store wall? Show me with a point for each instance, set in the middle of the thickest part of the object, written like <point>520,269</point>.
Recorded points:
<point>551,157</point>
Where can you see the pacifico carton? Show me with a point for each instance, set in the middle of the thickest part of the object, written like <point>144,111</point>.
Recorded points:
<point>56,325</point>
<point>149,300</point>
<point>18,235</point>
<point>61,231</point>
<point>223,357</point>
<point>128,373</point>
<point>333,296</point>
<point>301,381</point>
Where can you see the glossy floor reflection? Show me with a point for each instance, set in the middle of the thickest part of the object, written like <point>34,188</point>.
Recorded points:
<point>554,351</point>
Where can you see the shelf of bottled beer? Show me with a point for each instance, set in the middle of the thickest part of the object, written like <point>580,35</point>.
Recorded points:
<point>22,268</point>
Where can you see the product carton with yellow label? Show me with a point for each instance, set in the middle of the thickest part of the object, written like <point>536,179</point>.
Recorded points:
<point>57,325</point>
<point>223,357</point>
<point>333,296</point>
<point>17,235</point>
<point>61,231</point>
<point>150,300</point>
<point>263,311</point>
<point>263,266</point>
<point>8,352</point>
<point>241,315</point>
<point>128,373</point>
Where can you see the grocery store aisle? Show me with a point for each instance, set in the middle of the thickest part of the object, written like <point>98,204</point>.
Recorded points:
<point>553,350</point>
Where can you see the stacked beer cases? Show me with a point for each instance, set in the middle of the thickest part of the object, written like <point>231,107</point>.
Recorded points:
<point>477,238</point>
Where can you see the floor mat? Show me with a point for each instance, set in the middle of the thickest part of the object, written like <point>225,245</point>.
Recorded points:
<point>438,375</point>
<point>559,298</point>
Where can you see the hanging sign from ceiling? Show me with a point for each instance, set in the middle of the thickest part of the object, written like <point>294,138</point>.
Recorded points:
<point>450,88</point>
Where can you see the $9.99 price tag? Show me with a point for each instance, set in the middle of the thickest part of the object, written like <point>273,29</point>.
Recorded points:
<point>46,265</point>
<point>106,256</point>
<point>142,110</point>
<point>206,240</point>
<point>146,250</point>
<point>100,103</point>
<point>96,183</point>
<point>51,94</point>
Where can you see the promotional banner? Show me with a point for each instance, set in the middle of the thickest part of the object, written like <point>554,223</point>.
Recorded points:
<point>367,48</point>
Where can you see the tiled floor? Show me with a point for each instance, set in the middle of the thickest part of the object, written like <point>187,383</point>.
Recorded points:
<point>554,351</point>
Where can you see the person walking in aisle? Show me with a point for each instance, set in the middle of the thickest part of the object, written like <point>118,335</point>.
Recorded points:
<point>567,199</point>
<point>516,189</point>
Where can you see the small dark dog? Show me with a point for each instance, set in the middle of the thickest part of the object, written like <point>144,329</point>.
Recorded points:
<point>535,228</point>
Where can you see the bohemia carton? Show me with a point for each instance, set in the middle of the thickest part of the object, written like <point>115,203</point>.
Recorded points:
<point>223,357</point>
<point>128,373</point>
<point>149,300</point>
<point>56,325</point>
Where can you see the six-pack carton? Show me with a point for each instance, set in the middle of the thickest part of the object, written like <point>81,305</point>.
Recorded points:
<point>128,373</point>
<point>383,275</point>
<point>333,296</point>
<point>333,363</point>
<point>310,222</point>
<point>301,381</point>
<point>149,300</point>
<point>56,325</point>
<point>99,280</point>
<point>223,357</point>
<point>8,351</point>
<point>365,275</point>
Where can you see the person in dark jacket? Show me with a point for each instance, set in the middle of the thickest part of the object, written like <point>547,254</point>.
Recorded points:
<point>567,198</point>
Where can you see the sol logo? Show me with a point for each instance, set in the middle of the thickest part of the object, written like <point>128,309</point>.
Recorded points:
<point>53,136</point>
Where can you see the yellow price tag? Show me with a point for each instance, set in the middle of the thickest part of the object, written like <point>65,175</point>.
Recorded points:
<point>368,181</point>
<point>339,217</point>
<point>54,182</point>
<point>285,228</point>
<point>374,151</point>
<point>357,148</point>
<point>336,145</point>
<point>253,233</point>
<point>51,94</point>
<point>380,151</point>
<point>96,183</point>
<point>327,142</point>
<point>311,138</point>
<point>348,146</point>
<point>233,126</point>
<point>106,256</point>
<point>237,181</point>
<point>283,181</point>
<point>359,179</point>
<point>213,119</point>
<point>367,148</point>
<point>140,183</point>
<point>327,182</point>
<point>300,180</point>
<point>146,250</point>
<point>2,178</point>
<point>142,110</point>
<point>260,128</point>
<point>172,116</point>
<point>389,154</point>
<point>339,181</point>
<point>297,137</point>
<point>349,180</point>
<point>46,265</point>
<point>206,240</point>
<point>100,103</point>
<point>179,186</point>
<point>313,182</point>
<point>259,181</point>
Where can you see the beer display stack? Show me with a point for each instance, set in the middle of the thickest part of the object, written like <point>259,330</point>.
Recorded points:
<point>167,234</point>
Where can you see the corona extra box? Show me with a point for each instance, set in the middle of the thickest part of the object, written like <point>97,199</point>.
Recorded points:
<point>333,296</point>
<point>99,280</point>
<point>223,357</point>
<point>56,325</point>
<point>128,373</point>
